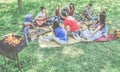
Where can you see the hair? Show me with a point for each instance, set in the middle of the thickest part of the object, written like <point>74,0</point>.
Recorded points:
<point>57,10</point>
<point>58,6</point>
<point>64,13</point>
<point>89,4</point>
<point>102,18</point>
<point>42,7</point>
<point>104,11</point>
<point>73,6</point>
<point>55,25</point>
<point>66,8</point>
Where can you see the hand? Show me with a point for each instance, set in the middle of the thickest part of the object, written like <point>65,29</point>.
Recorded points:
<point>87,38</point>
<point>89,17</point>
<point>38,18</point>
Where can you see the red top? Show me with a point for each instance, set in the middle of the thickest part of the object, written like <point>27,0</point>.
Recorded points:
<point>72,23</point>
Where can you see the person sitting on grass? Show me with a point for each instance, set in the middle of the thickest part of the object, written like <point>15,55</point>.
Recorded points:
<point>64,9</point>
<point>60,35</point>
<point>87,12</point>
<point>96,23</point>
<point>71,26</point>
<point>100,31</point>
<point>27,26</point>
<point>72,9</point>
<point>41,17</point>
<point>94,19</point>
<point>57,13</point>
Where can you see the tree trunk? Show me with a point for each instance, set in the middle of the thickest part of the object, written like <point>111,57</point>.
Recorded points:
<point>19,4</point>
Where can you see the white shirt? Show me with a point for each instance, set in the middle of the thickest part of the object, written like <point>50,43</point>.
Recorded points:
<point>40,15</point>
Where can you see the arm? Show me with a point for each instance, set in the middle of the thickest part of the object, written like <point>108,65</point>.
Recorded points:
<point>54,13</point>
<point>96,21</point>
<point>72,10</point>
<point>46,15</point>
<point>84,11</point>
<point>37,17</point>
<point>56,33</point>
<point>96,30</point>
<point>59,12</point>
<point>41,18</point>
<point>66,27</point>
<point>62,16</point>
<point>92,11</point>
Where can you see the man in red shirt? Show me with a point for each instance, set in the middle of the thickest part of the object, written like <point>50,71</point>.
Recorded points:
<point>71,26</point>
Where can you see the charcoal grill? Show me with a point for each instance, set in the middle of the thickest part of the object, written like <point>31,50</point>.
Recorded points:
<point>9,51</point>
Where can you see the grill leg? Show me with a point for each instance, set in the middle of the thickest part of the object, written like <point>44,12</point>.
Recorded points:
<point>28,51</point>
<point>18,61</point>
<point>5,60</point>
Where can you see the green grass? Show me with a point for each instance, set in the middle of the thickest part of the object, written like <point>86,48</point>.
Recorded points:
<point>80,57</point>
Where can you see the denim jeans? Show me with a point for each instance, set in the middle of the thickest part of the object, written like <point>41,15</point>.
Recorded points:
<point>105,30</point>
<point>94,19</point>
<point>75,34</point>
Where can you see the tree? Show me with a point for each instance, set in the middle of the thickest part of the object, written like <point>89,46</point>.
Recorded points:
<point>19,4</point>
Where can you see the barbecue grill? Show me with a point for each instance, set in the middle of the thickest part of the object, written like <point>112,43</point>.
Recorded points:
<point>10,51</point>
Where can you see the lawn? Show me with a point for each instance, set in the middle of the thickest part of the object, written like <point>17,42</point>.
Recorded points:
<point>80,57</point>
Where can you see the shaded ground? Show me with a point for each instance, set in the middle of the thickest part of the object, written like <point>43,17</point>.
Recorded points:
<point>80,57</point>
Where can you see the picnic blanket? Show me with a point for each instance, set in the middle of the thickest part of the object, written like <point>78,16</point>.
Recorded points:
<point>45,44</point>
<point>106,39</point>
<point>52,44</point>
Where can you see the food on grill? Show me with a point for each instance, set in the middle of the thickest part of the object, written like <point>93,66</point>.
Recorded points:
<point>13,40</point>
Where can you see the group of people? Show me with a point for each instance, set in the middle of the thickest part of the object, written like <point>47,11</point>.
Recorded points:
<point>42,16</point>
<point>70,26</point>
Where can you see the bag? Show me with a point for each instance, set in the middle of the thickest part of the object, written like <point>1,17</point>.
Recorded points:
<point>117,33</point>
<point>33,34</point>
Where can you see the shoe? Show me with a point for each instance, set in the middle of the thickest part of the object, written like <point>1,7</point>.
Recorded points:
<point>47,40</point>
<point>41,38</point>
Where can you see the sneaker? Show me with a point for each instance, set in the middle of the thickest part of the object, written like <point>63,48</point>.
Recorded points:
<point>47,40</point>
<point>41,38</point>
